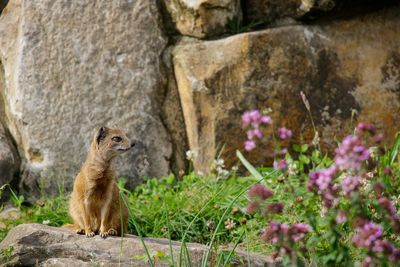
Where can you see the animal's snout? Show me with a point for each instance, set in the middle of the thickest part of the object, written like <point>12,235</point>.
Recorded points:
<point>133,144</point>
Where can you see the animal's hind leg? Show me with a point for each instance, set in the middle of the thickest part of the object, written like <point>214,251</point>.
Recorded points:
<point>78,226</point>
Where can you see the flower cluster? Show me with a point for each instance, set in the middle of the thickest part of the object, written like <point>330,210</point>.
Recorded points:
<point>219,165</point>
<point>351,153</point>
<point>367,235</point>
<point>191,155</point>
<point>322,183</point>
<point>254,119</point>
<point>389,207</point>
<point>280,164</point>
<point>370,236</point>
<point>284,133</point>
<point>259,194</point>
<point>260,191</point>
<point>350,185</point>
<point>285,235</point>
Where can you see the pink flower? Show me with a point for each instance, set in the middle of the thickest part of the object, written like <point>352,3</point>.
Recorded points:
<point>351,153</point>
<point>280,164</point>
<point>260,191</point>
<point>341,217</point>
<point>284,133</point>
<point>266,120</point>
<point>284,233</point>
<point>275,208</point>
<point>252,207</point>
<point>365,127</point>
<point>350,185</point>
<point>256,132</point>
<point>254,119</point>
<point>299,230</point>
<point>367,262</point>
<point>249,145</point>
<point>388,206</point>
<point>321,182</point>
<point>367,235</point>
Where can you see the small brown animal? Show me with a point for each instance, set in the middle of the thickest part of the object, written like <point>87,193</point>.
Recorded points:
<point>95,202</point>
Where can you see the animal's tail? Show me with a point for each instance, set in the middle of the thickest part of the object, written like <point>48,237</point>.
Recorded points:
<point>70,226</point>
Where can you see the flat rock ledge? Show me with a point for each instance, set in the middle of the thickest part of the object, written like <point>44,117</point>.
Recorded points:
<point>42,245</point>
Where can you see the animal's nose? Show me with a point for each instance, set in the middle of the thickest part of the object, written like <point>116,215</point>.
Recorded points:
<point>133,144</point>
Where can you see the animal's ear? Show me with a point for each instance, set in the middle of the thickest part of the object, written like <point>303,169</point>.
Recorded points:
<point>101,135</point>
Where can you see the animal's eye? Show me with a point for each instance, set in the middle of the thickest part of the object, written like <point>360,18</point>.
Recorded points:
<point>116,139</point>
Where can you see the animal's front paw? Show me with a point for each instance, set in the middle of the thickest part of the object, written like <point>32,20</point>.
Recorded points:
<point>112,231</point>
<point>103,234</point>
<point>89,233</point>
<point>80,231</point>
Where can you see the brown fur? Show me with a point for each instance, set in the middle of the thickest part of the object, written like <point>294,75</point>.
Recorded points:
<point>95,203</point>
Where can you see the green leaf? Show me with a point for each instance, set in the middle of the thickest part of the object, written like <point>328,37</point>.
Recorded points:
<point>304,148</point>
<point>297,148</point>
<point>248,166</point>
<point>170,179</point>
<point>304,159</point>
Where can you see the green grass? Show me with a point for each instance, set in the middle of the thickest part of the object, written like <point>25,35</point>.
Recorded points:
<point>189,209</point>
<point>169,208</point>
<point>196,209</point>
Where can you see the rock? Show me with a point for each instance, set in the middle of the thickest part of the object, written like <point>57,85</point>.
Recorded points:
<point>202,18</point>
<point>349,68</point>
<point>41,245</point>
<point>70,67</point>
<point>9,159</point>
<point>10,214</point>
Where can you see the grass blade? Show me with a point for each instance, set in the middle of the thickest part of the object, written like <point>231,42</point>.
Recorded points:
<point>169,238</point>
<point>256,174</point>
<point>247,248</point>
<point>139,232</point>
<point>248,165</point>
<point>233,249</point>
<point>194,219</point>
<point>221,220</point>
<point>395,149</point>
<point>187,255</point>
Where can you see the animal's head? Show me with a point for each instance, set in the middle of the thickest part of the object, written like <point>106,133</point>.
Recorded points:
<point>110,142</point>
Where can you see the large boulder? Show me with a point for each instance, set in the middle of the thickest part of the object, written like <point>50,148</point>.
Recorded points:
<point>347,68</point>
<point>202,18</point>
<point>71,67</point>
<point>41,245</point>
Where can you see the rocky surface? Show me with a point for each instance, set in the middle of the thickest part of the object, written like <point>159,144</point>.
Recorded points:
<point>41,245</point>
<point>67,68</point>
<point>347,68</point>
<point>202,18</point>
<point>70,67</point>
<point>9,159</point>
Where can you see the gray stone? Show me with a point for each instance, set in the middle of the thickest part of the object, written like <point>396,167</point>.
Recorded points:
<point>10,214</point>
<point>73,66</point>
<point>349,70</point>
<point>35,244</point>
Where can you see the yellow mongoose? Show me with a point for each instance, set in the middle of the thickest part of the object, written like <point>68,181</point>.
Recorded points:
<point>95,203</point>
